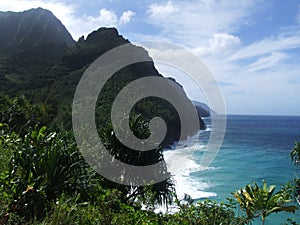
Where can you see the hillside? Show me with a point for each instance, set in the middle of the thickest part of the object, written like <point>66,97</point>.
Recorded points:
<point>39,59</point>
<point>33,37</point>
<point>203,109</point>
<point>31,30</point>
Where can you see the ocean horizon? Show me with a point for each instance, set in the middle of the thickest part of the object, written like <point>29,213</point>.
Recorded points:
<point>255,148</point>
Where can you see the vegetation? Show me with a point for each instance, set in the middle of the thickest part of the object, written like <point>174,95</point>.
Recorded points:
<point>20,114</point>
<point>44,178</point>
<point>295,157</point>
<point>52,81</point>
<point>161,193</point>
<point>295,154</point>
<point>262,201</point>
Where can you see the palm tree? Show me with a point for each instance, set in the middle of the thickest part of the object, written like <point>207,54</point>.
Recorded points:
<point>162,192</point>
<point>261,202</point>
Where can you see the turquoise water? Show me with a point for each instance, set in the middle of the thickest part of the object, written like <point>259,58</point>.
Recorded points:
<point>255,148</point>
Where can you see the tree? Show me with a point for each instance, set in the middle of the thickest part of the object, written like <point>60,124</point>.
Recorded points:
<point>162,192</point>
<point>262,201</point>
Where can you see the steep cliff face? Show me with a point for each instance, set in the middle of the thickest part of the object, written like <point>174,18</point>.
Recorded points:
<point>31,29</point>
<point>203,109</point>
<point>34,36</point>
<point>85,51</point>
<point>104,39</point>
<point>38,58</point>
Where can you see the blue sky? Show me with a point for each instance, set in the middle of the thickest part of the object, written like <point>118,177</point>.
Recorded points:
<point>251,46</point>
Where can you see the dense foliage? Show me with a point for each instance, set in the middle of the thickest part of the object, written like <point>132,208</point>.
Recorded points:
<point>161,193</point>
<point>44,178</point>
<point>295,154</point>
<point>295,157</point>
<point>262,201</point>
<point>20,114</point>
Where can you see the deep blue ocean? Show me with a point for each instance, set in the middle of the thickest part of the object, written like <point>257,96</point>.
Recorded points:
<point>255,148</point>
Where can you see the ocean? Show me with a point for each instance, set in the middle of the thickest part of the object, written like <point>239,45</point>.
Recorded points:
<point>255,148</point>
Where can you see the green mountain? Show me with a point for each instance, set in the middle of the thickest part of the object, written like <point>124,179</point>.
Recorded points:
<point>30,42</point>
<point>39,59</point>
<point>31,30</point>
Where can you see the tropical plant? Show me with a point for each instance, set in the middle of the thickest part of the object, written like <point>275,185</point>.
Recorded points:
<point>109,210</point>
<point>20,114</point>
<point>295,157</point>
<point>44,165</point>
<point>204,212</point>
<point>258,201</point>
<point>161,193</point>
<point>295,154</point>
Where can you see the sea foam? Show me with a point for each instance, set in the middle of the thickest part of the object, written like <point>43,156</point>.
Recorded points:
<point>185,179</point>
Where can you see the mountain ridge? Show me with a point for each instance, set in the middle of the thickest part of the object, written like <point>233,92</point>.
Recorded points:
<point>22,32</point>
<point>33,37</point>
<point>49,73</point>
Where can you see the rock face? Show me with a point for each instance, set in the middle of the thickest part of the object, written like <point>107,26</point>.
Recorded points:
<point>35,32</point>
<point>203,109</point>
<point>31,29</point>
<point>38,58</point>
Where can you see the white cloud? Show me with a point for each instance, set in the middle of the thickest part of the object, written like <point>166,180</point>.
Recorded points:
<point>105,18</point>
<point>211,30</point>
<point>219,44</point>
<point>265,92</point>
<point>194,22</point>
<point>265,82</point>
<point>162,10</point>
<point>268,45</point>
<point>126,16</point>
<point>266,63</point>
<point>259,74</point>
<point>224,41</point>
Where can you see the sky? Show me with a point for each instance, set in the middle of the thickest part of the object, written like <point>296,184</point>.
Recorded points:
<point>252,47</point>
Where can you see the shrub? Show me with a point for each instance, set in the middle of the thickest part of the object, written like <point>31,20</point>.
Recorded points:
<point>43,166</point>
<point>262,201</point>
<point>206,212</point>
